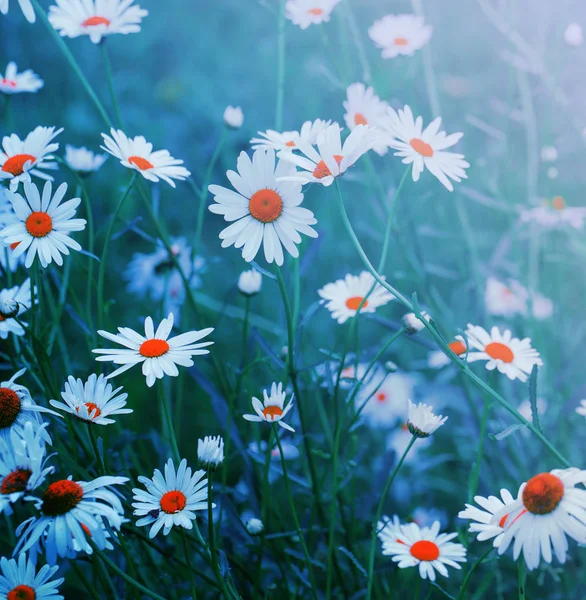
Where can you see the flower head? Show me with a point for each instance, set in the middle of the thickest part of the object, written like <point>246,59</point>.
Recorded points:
<point>422,422</point>
<point>400,34</point>
<point>250,282</point>
<point>20,581</point>
<point>287,140</point>
<point>309,12</point>
<point>13,303</point>
<point>210,451</point>
<point>413,323</point>
<point>233,117</point>
<point>555,214</point>
<point>272,409</point>
<point>13,82</point>
<point>82,160</point>
<point>26,7</point>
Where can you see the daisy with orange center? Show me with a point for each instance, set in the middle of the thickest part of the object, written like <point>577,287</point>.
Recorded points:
<point>287,140</point>
<point>13,82</point>
<point>96,18</point>
<point>158,353</point>
<point>137,154</point>
<point>512,299</point>
<point>549,507</point>
<point>400,34</point>
<point>511,356</point>
<point>172,500</point>
<point>18,299</point>
<point>20,581</point>
<point>265,209</point>
<point>272,409</point>
<point>555,214</point>
<point>437,359</point>
<point>309,12</point>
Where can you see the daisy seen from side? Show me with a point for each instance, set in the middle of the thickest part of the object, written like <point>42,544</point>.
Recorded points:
<point>272,409</point>
<point>421,420</point>
<point>287,140</point>
<point>13,82</point>
<point>84,161</point>
<point>309,12</point>
<point>400,34</point>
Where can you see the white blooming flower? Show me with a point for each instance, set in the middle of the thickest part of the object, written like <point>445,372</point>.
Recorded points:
<point>83,160</point>
<point>210,451</point>
<point>309,12</point>
<point>422,422</point>
<point>400,34</point>
<point>13,82</point>
<point>287,140</point>
<point>272,409</point>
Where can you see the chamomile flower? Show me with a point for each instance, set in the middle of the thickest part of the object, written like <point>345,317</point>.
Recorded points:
<point>44,224</point>
<point>331,159</point>
<point>309,12</point>
<point>20,581</point>
<point>137,154</point>
<point>482,518</point>
<point>13,82</point>
<point>388,530</point>
<point>424,148</point>
<point>400,34</point>
<point>93,401</point>
<point>96,18</point>
<point>364,107</point>
<point>210,451</point>
<point>272,409</point>
<point>18,299</point>
<point>172,500</point>
<point>421,421</point>
<point>68,510</point>
<point>158,353</point>
<point>555,215</point>
<point>25,5</point>
<point>549,507</point>
<point>19,159</point>
<point>265,209</point>
<point>425,548</point>
<point>288,139</point>
<point>505,300</point>
<point>343,297</point>
<point>82,160</point>
<point>511,356</point>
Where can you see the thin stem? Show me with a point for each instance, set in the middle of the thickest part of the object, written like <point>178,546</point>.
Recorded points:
<point>189,567</point>
<point>212,539</point>
<point>99,458</point>
<point>110,80</point>
<point>521,566</point>
<point>164,401</point>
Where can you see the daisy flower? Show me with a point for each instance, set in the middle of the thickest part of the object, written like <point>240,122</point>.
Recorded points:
<point>364,107</point>
<point>425,148</point>
<point>482,518</point>
<point>233,117</point>
<point>555,214</point>
<point>309,12</point>
<point>549,507</point>
<point>331,158</point>
<point>158,353</point>
<point>137,154</point>
<point>438,359</point>
<point>422,422</point>
<point>13,82</point>
<point>93,401</point>
<point>388,530</point>
<point>210,451</point>
<point>82,160</point>
<point>272,409</point>
<point>22,464</point>
<point>505,300</point>
<point>69,510</point>
<point>96,18</point>
<point>20,581</point>
<point>17,300</point>
<point>43,224</point>
<point>426,548</point>
<point>400,34</point>
<point>19,159</point>
<point>288,139</point>
<point>511,356</point>
<point>170,501</point>
<point>25,5</point>
<point>343,297</point>
<point>265,209</point>
<point>250,282</point>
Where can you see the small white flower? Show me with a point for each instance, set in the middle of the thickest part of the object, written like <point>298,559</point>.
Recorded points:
<point>555,214</point>
<point>83,160</point>
<point>400,34</point>
<point>13,82</point>
<point>210,451</point>
<point>250,282</point>
<point>422,422</point>
<point>309,12</point>
<point>233,117</point>
<point>272,409</point>
<point>413,323</point>
<point>573,35</point>
<point>254,526</point>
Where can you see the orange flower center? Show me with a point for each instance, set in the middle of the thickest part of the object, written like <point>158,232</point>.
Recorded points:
<point>321,170</point>
<point>360,119</point>
<point>381,397</point>
<point>543,493</point>
<point>61,497</point>
<point>173,502</point>
<point>354,302</point>
<point>39,224</point>
<point>154,348</point>
<point>270,412</point>
<point>457,347</point>
<point>558,203</point>
<point>316,11</point>
<point>22,592</point>
<point>15,481</point>
<point>500,351</point>
<point>265,206</point>
<point>142,163</point>
<point>9,82</point>
<point>9,407</point>
<point>421,147</point>
<point>425,550</point>
<point>400,41</point>
<point>93,21</point>
<point>15,164</point>
<point>90,408</point>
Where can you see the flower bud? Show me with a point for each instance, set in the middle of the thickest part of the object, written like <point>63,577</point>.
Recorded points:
<point>233,117</point>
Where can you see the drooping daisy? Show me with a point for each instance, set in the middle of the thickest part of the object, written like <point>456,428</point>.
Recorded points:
<point>96,18</point>
<point>18,300</point>
<point>20,581</point>
<point>549,507</point>
<point>93,401</point>
<point>265,209</point>
<point>511,356</point>
<point>70,509</point>
<point>288,139</point>
<point>426,548</point>
<point>400,34</point>
<point>158,353</point>
<point>44,224</point>
<point>425,148</point>
<point>331,159</point>
<point>438,359</point>
<point>210,451</point>
<point>170,501</point>
<point>272,409</point>
<point>343,297</point>
<point>137,154</point>
<point>13,82</point>
<point>482,518</point>
<point>364,107</point>
<point>421,421</point>
<point>309,12</point>
<point>25,5</point>
<point>555,214</point>
<point>82,160</point>
<point>20,159</point>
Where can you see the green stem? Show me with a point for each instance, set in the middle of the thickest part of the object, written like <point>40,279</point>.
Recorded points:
<point>189,567</point>
<point>212,540</point>
<point>110,80</point>
<point>101,466</point>
<point>164,401</point>
<point>521,566</point>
